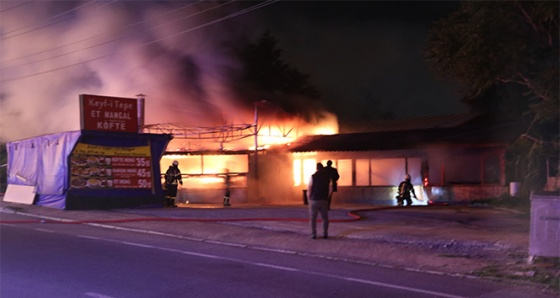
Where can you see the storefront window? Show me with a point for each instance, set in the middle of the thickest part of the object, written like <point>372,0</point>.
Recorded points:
<point>492,169</point>
<point>309,167</point>
<point>388,171</point>
<point>463,170</point>
<point>297,172</point>
<point>344,167</point>
<point>362,172</point>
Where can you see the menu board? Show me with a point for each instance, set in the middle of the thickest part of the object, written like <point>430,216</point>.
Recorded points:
<point>101,167</point>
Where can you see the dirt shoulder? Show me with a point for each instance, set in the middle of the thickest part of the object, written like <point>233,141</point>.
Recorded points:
<point>467,241</point>
<point>471,241</point>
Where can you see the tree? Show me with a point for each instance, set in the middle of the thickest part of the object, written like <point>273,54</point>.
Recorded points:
<point>505,53</point>
<point>283,84</point>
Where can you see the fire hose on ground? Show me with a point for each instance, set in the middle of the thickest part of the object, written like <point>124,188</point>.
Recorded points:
<point>353,214</point>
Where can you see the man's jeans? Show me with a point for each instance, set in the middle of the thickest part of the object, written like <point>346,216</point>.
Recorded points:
<point>315,207</point>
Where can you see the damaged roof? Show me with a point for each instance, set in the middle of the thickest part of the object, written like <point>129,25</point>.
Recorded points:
<point>437,121</point>
<point>473,135</point>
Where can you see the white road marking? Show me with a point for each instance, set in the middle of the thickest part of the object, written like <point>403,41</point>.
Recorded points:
<point>276,267</point>
<point>90,237</point>
<point>409,289</point>
<point>97,295</point>
<point>225,243</point>
<point>204,255</point>
<point>44,230</point>
<point>138,244</point>
<point>363,281</point>
<point>271,266</point>
<point>278,250</point>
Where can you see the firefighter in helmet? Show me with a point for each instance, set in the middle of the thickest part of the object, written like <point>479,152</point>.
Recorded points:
<point>172,179</point>
<point>405,190</point>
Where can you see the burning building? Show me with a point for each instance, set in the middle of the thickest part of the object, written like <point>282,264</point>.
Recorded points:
<point>450,159</point>
<point>241,151</point>
<point>447,164</point>
<point>268,161</point>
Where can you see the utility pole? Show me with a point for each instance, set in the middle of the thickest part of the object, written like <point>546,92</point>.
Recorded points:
<point>256,133</point>
<point>141,98</point>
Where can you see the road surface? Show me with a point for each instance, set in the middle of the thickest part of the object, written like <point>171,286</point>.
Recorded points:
<point>69,260</point>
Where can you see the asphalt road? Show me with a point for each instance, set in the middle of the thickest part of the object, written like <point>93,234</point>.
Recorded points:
<point>38,260</point>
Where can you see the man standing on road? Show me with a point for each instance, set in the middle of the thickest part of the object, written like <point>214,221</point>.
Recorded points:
<point>333,173</point>
<point>318,196</point>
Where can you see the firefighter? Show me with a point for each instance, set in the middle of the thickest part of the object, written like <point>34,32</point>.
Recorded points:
<point>227,184</point>
<point>172,179</point>
<point>405,189</point>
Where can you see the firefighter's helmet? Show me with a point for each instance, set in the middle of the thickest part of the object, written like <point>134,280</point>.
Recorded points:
<point>175,163</point>
<point>407,177</point>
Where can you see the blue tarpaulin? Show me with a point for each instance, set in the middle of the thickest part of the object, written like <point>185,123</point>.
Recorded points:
<point>44,162</point>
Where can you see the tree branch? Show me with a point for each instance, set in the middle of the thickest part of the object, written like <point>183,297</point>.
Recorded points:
<point>504,80</point>
<point>526,15</point>
<point>536,28</point>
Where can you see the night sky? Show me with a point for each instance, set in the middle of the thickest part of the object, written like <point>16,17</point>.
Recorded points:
<point>364,56</point>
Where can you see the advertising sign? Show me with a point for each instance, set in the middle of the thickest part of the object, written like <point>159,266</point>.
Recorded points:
<point>104,113</point>
<point>101,167</point>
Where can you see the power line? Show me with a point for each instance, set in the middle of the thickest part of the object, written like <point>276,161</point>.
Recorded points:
<point>16,6</point>
<point>47,25</point>
<point>246,10</point>
<point>91,37</point>
<point>115,39</point>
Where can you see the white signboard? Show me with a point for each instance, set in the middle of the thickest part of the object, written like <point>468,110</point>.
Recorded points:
<point>23,194</point>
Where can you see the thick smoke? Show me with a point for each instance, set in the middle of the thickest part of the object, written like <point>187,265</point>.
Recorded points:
<point>177,53</point>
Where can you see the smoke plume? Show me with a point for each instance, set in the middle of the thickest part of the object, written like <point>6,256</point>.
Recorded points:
<point>177,53</point>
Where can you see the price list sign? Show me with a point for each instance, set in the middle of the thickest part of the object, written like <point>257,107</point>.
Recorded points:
<point>132,172</point>
<point>102,167</point>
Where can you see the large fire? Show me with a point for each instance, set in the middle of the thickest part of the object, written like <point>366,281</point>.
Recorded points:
<point>289,131</point>
<point>242,137</point>
<point>204,169</point>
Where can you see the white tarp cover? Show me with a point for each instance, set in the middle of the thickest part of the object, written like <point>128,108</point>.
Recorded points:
<point>42,162</point>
